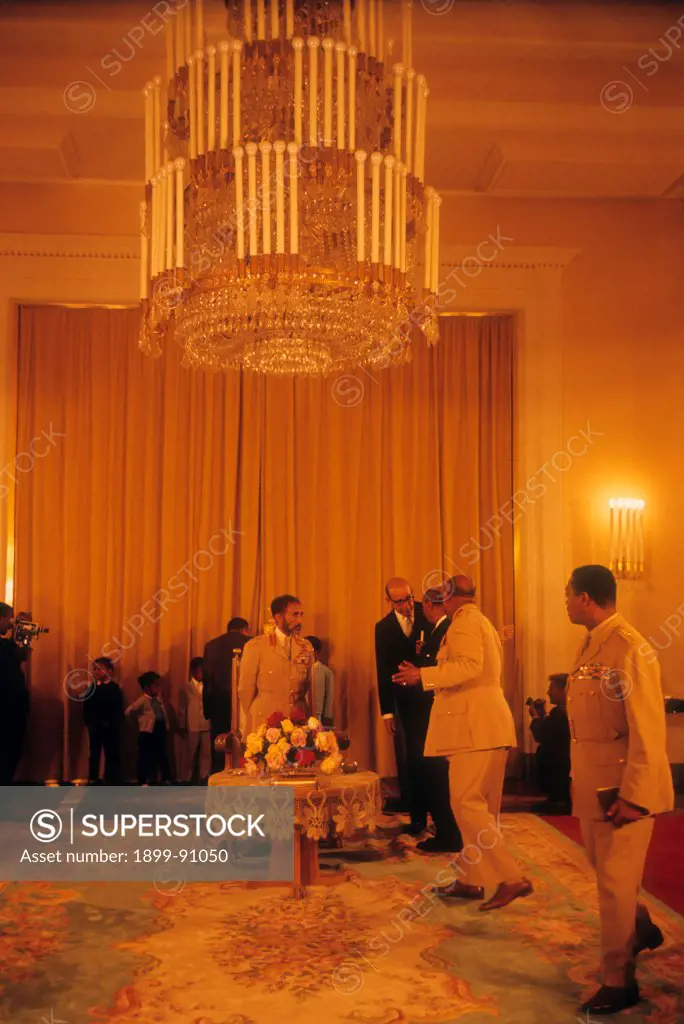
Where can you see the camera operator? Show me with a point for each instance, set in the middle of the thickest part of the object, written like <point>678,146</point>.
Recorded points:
<point>14,699</point>
<point>552,733</point>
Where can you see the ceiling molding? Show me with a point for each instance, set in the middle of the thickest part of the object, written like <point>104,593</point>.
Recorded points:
<point>509,256</point>
<point>70,246</point>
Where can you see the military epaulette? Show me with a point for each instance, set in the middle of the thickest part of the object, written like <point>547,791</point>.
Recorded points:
<point>628,634</point>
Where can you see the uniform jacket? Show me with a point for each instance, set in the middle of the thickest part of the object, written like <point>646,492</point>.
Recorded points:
<point>392,646</point>
<point>470,711</point>
<point>274,676</point>
<point>617,722</point>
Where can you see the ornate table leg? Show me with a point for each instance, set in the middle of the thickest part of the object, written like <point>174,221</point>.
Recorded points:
<point>305,863</point>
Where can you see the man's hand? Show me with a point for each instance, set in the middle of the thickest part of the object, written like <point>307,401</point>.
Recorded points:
<point>408,675</point>
<point>622,813</point>
<point>390,726</point>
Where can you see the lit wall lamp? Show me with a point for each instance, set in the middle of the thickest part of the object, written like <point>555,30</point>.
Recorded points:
<point>627,537</point>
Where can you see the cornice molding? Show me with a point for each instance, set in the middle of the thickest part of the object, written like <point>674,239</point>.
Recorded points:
<point>87,247</point>
<point>494,253</point>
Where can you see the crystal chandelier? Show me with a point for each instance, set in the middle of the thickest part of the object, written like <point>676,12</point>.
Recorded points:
<point>286,226</point>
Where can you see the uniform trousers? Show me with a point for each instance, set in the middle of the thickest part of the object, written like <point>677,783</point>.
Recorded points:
<point>476,786</point>
<point>618,855</point>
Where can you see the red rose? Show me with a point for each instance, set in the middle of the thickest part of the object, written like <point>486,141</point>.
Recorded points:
<point>305,757</point>
<point>298,717</point>
<point>274,720</point>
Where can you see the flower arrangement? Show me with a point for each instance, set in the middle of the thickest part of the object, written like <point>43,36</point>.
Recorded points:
<point>294,742</point>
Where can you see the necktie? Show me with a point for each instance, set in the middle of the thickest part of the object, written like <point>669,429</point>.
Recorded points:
<point>409,627</point>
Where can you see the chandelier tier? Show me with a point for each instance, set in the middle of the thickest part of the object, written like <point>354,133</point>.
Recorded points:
<point>286,226</point>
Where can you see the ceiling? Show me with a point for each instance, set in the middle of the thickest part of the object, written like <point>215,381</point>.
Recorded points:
<point>579,100</point>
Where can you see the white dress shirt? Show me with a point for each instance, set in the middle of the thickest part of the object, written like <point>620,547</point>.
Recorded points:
<point>405,623</point>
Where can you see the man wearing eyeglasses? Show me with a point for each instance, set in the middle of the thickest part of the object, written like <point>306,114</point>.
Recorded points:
<point>399,637</point>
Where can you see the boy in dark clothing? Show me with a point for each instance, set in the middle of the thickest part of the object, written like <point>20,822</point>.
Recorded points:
<point>552,733</point>
<point>103,714</point>
<point>153,725</point>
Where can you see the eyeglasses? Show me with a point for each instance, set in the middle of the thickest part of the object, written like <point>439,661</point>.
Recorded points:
<point>401,600</point>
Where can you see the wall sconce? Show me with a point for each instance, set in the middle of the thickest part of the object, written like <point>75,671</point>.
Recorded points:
<point>627,538</point>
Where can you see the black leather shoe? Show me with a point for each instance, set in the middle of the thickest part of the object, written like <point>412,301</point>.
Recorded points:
<point>650,938</point>
<point>507,892</point>
<point>435,845</point>
<point>459,891</point>
<point>610,1000</point>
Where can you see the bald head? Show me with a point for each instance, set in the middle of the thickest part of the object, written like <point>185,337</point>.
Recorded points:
<point>461,586</point>
<point>458,590</point>
<point>399,593</point>
<point>397,586</point>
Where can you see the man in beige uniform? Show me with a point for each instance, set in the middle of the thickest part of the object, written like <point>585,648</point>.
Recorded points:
<point>471,723</point>
<point>617,726</point>
<point>275,671</point>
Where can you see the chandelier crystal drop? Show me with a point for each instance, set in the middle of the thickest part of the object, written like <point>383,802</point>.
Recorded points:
<point>286,227</point>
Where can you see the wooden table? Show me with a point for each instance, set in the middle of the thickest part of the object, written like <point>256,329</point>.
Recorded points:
<point>326,806</point>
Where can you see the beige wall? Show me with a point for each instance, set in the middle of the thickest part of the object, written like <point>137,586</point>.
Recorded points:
<point>623,371</point>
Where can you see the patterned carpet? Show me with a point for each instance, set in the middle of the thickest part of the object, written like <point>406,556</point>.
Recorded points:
<point>373,950</point>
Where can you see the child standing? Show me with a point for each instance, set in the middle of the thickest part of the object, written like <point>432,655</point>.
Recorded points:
<point>153,725</point>
<point>323,686</point>
<point>103,714</point>
<point>195,726</point>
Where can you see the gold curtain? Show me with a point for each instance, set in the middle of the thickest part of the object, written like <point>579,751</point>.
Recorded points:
<point>166,500</point>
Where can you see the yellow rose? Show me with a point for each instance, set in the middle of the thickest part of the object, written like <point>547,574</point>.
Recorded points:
<point>275,758</point>
<point>273,735</point>
<point>298,737</point>
<point>261,731</point>
<point>286,725</point>
<point>283,744</point>
<point>313,723</point>
<point>331,764</point>
<point>254,743</point>
<point>326,742</point>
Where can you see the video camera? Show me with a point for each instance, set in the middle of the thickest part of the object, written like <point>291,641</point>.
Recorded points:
<point>537,706</point>
<point>24,632</point>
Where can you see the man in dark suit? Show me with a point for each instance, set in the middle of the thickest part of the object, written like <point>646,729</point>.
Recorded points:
<point>552,733</point>
<point>435,770</point>
<point>400,637</point>
<point>14,699</point>
<point>218,677</point>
